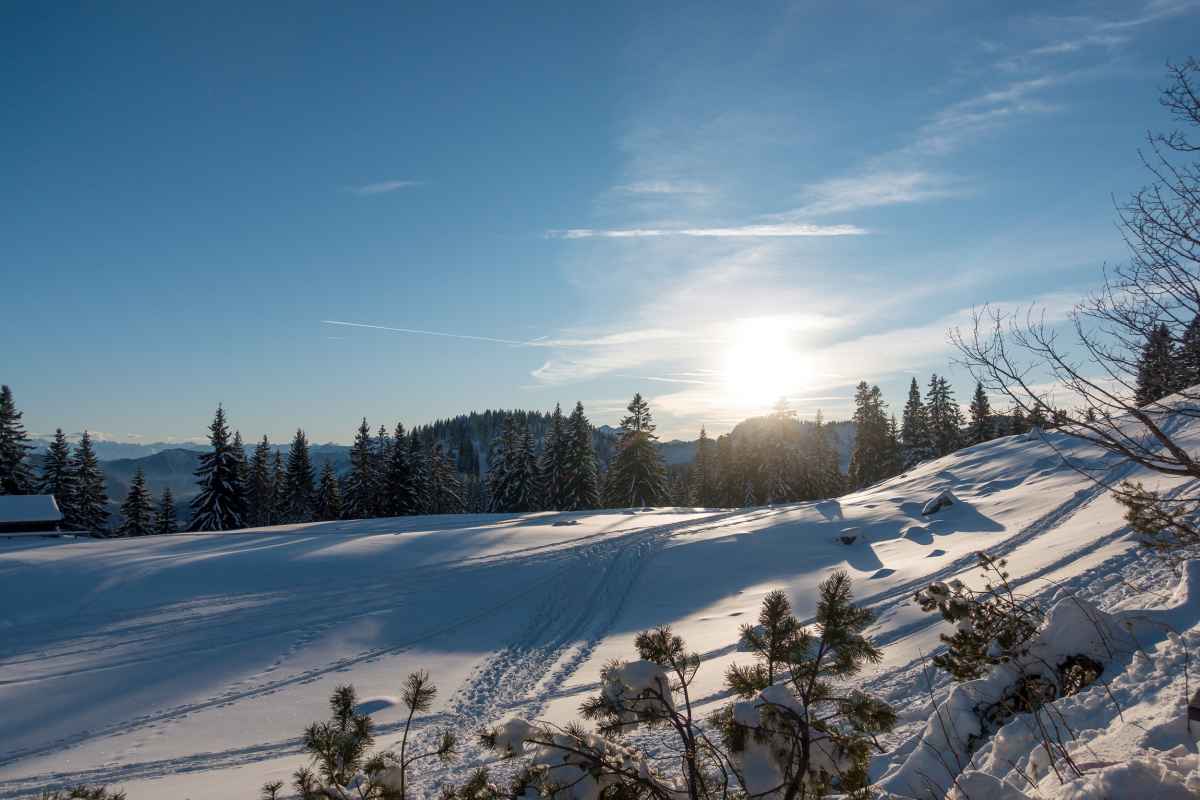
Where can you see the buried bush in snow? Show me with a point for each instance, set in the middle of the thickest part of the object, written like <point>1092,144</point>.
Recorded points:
<point>937,503</point>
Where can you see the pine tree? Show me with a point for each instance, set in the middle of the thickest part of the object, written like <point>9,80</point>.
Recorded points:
<point>399,492</point>
<point>554,462</point>
<point>778,463</point>
<point>637,476</point>
<point>164,517</point>
<point>260,489</point>
<point>982,424</point>
<point>872,458</point>
<point>1018,424</point>
<point>138,509</point>
<point>299,490</point>
<point>446,488</point>
<point>381,456</point>
<point>418,466</point>
<point>328,504</point>
<point>16,477</point>
<point>704,472</point>
<point>1187,369</point>
<point>914,428</point>
<point>90,503</point>
<point>279,484</point>
<point>58,474</point>
<point>581,489</point>
<point>220,504</point>
<point>361,484</point>
<point>945,418</point>
<point>243,469</point>
<point>1156,368</point>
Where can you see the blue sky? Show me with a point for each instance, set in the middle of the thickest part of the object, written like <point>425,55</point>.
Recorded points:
<point>713,205</point>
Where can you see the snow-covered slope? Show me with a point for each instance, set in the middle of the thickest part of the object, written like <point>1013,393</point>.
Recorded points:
<point>186,666</point>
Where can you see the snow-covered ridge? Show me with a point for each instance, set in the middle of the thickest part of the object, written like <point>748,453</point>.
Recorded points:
<point>188,665</point>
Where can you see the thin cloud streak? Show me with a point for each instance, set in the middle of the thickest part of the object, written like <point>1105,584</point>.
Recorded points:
<point>872,190</point>
<point>383,187</point>
<point>419,332</point>
<point>743,231</point>
<point>663,187</point>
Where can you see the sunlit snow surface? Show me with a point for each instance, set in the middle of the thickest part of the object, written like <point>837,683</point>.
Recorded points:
<point>187,666</point>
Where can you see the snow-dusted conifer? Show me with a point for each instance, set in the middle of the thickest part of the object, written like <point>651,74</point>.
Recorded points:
<point>581,489</point>
<point>299,488</point>
<point>361,484</point>
<point>164,515</point>
<point>381,456</point>
<point>260,488</point>
<point>554,462</point>
<point>58,474</point>
<point>220,504</point>
<point>399,492</point>
<point>945,419</point>
<point>914,428</point>
<point>16,477</point>
<point>279,482</point>
<point>418,467</point>
<point>328,503</point>
<point>137,511</point>
<point>982,424</point>
<point>90,502</point>
<point>1187,369</point>
<point>703,483</point>
<point>446,490</point>
<point>637,476</point>
<point>1156,367</point>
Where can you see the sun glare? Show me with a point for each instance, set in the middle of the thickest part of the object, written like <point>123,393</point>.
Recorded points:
<point>759,364</point>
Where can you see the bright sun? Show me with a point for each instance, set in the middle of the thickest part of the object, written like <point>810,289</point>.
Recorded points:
<point>759,364</point>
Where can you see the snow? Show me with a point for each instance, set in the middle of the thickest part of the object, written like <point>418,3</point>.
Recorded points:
<point>187,665</point>
<point>28,508</point>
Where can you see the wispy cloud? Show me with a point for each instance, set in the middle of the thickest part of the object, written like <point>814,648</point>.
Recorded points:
<point>663,187</point>
<point>383,187</point>
<point>419,332</point>
<point>871,190</point>
<point>982,113</point>
<point>615,339</point>
<point>740,231</point>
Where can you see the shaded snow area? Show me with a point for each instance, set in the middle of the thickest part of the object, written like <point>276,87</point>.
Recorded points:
<point>187,666</point>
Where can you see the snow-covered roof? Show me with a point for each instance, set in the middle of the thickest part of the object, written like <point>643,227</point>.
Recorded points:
<point>28,508</point>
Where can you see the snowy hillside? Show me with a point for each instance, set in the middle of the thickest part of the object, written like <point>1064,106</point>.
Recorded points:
<point>186,666</point>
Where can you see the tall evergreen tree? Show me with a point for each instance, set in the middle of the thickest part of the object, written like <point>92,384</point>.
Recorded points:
<point>500,461</point>
<point>243,468</point>
<point>164,517</point>
<point>446,489</point>
<point>778,464</point>
<point>827,472</point>
<point>637,476</point>
<point>871,459</point>
<point>1187,369</point>
<point>90,502</point>
<point>1156,367</point>
<point>554,462</point>
<point>300,489</point>
<point>581,489</point>
<point>16,477</point>
<point>704,483</point>
<point>220,506</point>
<point>328,503</point>
<point>381,456</point>
<point>279,489</point>
<point>914,428</point>
<point>399,492</point>
<point>260,488</point>
<point>982,424</point>
<point>360,481</point>
<point>137,511</point>
<point>58,474</point>
<point>945,418</point>
<point>418,468</point>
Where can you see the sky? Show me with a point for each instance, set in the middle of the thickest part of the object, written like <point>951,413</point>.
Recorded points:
<point>314,212</point>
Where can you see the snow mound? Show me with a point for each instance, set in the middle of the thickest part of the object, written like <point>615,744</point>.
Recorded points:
<point>943,499</point>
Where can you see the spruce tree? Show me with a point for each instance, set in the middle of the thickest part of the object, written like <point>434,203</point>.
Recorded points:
<point>399,492</point>
<point>328,504</point>
<point>90,503</point>
<point>500,460</point>
<point>243,469</point>
<point>703,472</point>
<point>164,517</point>
<point>220,506</point>
<point>872,458</point>
<point>138,509</point>
<point>982,424</point>
<point>1187,368</point>
<point>381,456</point>
<point>446,488</point>
<point>637,476</point>
<point>581,489</point>
<point>16,477</point>
<point>418,467</point>
<point>260,490</point>
<point>1156,367</point>
<point>279,484</point>
<point>554,462</point>
<point>360,481</point>
<point>945,418</point>
<point>299,490</point>
<point>58,474</point>
<point>914,428</point>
